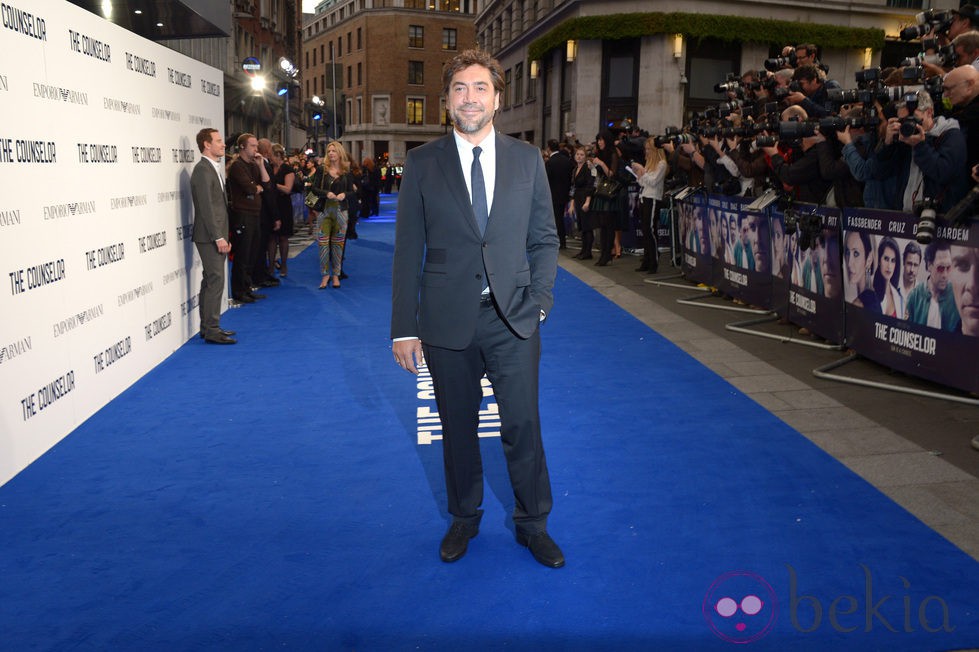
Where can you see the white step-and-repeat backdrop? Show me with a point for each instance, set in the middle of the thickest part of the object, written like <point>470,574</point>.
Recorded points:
<point>97,143</point>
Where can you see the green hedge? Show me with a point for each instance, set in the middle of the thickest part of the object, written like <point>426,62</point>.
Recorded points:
<point>699,26</point>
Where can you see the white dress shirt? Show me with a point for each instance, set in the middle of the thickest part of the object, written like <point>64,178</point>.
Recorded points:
<point>487,160</point>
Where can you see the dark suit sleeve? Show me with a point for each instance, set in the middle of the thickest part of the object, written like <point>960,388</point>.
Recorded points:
<point>542,242</point>
<point>205,211</point>
<point>409,250</point>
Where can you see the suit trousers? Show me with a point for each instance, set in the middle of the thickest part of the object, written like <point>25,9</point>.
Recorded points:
<point>512,366</point>
<point>245,234</point>
<point>212,287</point>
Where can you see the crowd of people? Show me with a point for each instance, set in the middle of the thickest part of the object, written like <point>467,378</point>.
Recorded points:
<point>253,203</point>
<point>591,185</point>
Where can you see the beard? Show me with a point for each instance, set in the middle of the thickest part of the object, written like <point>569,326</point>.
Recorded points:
<point>467,125</point>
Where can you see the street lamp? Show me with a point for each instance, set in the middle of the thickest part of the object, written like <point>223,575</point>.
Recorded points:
<point>289,70</point>
<point>317,116</point>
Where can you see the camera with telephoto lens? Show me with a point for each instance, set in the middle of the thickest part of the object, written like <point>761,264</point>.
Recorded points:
<point>929,22</point>
<point>795,129</point>
<point>925,211</point>
<point>943,56</point>
<point>778,63</point>
<point>868,77</point>
<point>730,85</point>
<point>725,109</point>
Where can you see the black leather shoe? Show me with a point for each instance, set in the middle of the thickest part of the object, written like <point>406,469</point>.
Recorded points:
<point>244,298</point>
<point>255,296</point>
<point>456,540</point>
<point>222,332</point>
<point>543,548</point>
<point>271,283</point>
<point>220,338</point>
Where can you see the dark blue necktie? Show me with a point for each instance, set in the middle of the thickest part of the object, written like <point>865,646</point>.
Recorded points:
<point>480,209</point>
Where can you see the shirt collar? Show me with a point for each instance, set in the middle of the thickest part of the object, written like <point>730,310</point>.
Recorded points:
<point>488,144</point>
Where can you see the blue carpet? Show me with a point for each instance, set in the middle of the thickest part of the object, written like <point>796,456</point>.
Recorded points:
<point>272,495</point>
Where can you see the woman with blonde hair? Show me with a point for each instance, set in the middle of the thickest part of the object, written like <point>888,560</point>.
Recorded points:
<point>651,177</point>
<point>334,184</point>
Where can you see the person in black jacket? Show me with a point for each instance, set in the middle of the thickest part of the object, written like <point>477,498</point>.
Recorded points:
<point>799,170</point>
<point>559,167</point>
<point>961,88</point>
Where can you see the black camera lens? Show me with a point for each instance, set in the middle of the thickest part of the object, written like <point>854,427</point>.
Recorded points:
<point>926,221</point>
<point>793,130</point>
<point>909,126</point>
<point>913,32</point>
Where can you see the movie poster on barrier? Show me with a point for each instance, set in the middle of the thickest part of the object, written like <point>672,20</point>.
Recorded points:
<point>815,260</point>
<point>694,238</point>
<point>910,306</point>
<point>740,245</point>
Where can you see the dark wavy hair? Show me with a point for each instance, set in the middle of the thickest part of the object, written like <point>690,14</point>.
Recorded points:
<point>473,57</point>
<point>879,281</point>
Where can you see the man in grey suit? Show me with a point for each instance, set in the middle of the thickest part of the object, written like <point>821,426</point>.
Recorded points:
<point>475,260</point>
<point>211,233</point>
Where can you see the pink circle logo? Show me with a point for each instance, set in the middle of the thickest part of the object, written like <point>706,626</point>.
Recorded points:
<point>740,607</point>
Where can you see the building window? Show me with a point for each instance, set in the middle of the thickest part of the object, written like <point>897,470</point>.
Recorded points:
<point>349,40</point>
<point>416,4</point>
<point>416,72</point>
<point>416,36</point>
<point>360,75</point>
<point>339,44</point>
<point>360,41</point>
<point>416,111</point>
<point>449,39</point>
<point>350,76</point>
<point>507,86</point>
<point>518,83</point>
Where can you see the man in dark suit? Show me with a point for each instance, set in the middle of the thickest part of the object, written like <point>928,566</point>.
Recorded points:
<point>559,168</point>
<point>474,266</point>
<point>211,232</point>
<point>247,180</point>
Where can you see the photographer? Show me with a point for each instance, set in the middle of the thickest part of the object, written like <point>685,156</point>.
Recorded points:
<point>925,154</point>
<point>813,97</point>
<point>847,189</point>
<point>965,19</point>
<point>798,168</point>
<point>966,48</point>
<point>961,88</point>
<point>751,163</point>
<point>721,175</point>
<point>860,154</point>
